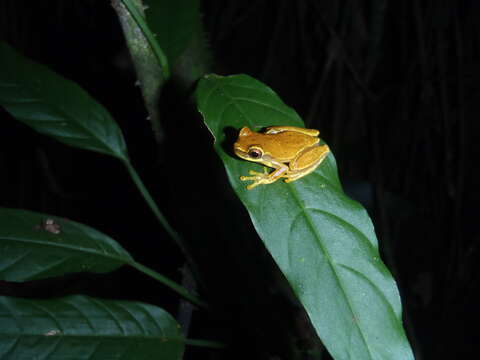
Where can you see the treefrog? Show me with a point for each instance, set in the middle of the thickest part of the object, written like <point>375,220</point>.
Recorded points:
<point>291,151</point>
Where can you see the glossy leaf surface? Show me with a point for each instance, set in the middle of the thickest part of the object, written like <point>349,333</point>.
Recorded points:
<point>174,23</point>
<point>55,106</point>
<point>80,327</point>
<point>36,246</point>
<point>323,242</point>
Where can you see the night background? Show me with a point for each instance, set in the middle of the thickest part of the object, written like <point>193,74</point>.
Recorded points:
<point>393,87</point>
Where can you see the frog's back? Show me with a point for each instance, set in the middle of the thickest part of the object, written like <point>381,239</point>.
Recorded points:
<point>287,145</point>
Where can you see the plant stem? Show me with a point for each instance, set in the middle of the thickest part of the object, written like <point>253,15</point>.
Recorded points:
<point>153,206</point>
<point>137,16</point>
<point>170,283</point>
<point>151,203</point>
<point>150,73</point>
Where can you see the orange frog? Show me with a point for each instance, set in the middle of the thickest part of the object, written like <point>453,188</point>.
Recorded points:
<point>291,151</point>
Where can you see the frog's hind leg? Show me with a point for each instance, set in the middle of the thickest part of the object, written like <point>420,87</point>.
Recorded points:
<point>306,163</point>
<point>297,175</point>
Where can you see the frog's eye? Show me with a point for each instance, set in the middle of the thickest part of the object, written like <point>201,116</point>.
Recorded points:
<point>255,153</point>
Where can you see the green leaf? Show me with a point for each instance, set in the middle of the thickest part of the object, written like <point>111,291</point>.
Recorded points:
<point>32,249</point>
<point>137,15</point>
<point>80,327</point>
<point>37,246</point>
<point>59,108</point>
<point>174,22</point>
<point>323,242</point>
<point>55,106</point>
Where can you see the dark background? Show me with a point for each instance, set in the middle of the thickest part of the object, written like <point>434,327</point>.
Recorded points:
<point>393,87</point>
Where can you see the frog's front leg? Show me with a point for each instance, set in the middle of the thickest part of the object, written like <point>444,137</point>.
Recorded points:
<point>260,178</point>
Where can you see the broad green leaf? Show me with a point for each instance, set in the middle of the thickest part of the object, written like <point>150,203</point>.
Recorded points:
<point>55,106</point>
<point>174,22</point>
<point>80,327</point>
<point>36,246</point>
<point>323,242</point>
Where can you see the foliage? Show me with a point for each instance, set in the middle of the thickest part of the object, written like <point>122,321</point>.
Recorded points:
<point>322,241</point>
<point>80,327</point>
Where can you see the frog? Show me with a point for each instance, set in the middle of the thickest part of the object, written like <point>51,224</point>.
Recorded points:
<point>293,152</point>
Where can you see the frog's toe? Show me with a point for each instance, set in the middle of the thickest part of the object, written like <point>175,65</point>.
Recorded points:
<point>252,185</point>
<point>259,175</point>
<point>293,178</point>
<point>255,178</point>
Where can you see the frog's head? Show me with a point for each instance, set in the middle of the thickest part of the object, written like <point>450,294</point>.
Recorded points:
<point>249,145</point>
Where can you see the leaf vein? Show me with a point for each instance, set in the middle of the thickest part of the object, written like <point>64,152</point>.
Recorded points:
<point>329,261</point>
<point>111,313</point>
<point>134,319</point>
<point>79,310</point>
<point>374,287</point>
<point>47,312</point>
<point>94,251</point>
<point>15,261</point>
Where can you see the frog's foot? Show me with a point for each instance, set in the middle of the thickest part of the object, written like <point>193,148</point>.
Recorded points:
<point>258,178</point>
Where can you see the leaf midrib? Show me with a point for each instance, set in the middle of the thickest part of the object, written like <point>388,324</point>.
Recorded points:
<point>312,227</point>
<point>68,247</point>
<point>104,336</point>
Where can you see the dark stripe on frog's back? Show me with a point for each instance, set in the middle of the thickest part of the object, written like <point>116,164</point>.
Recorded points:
<point>290,142</point>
